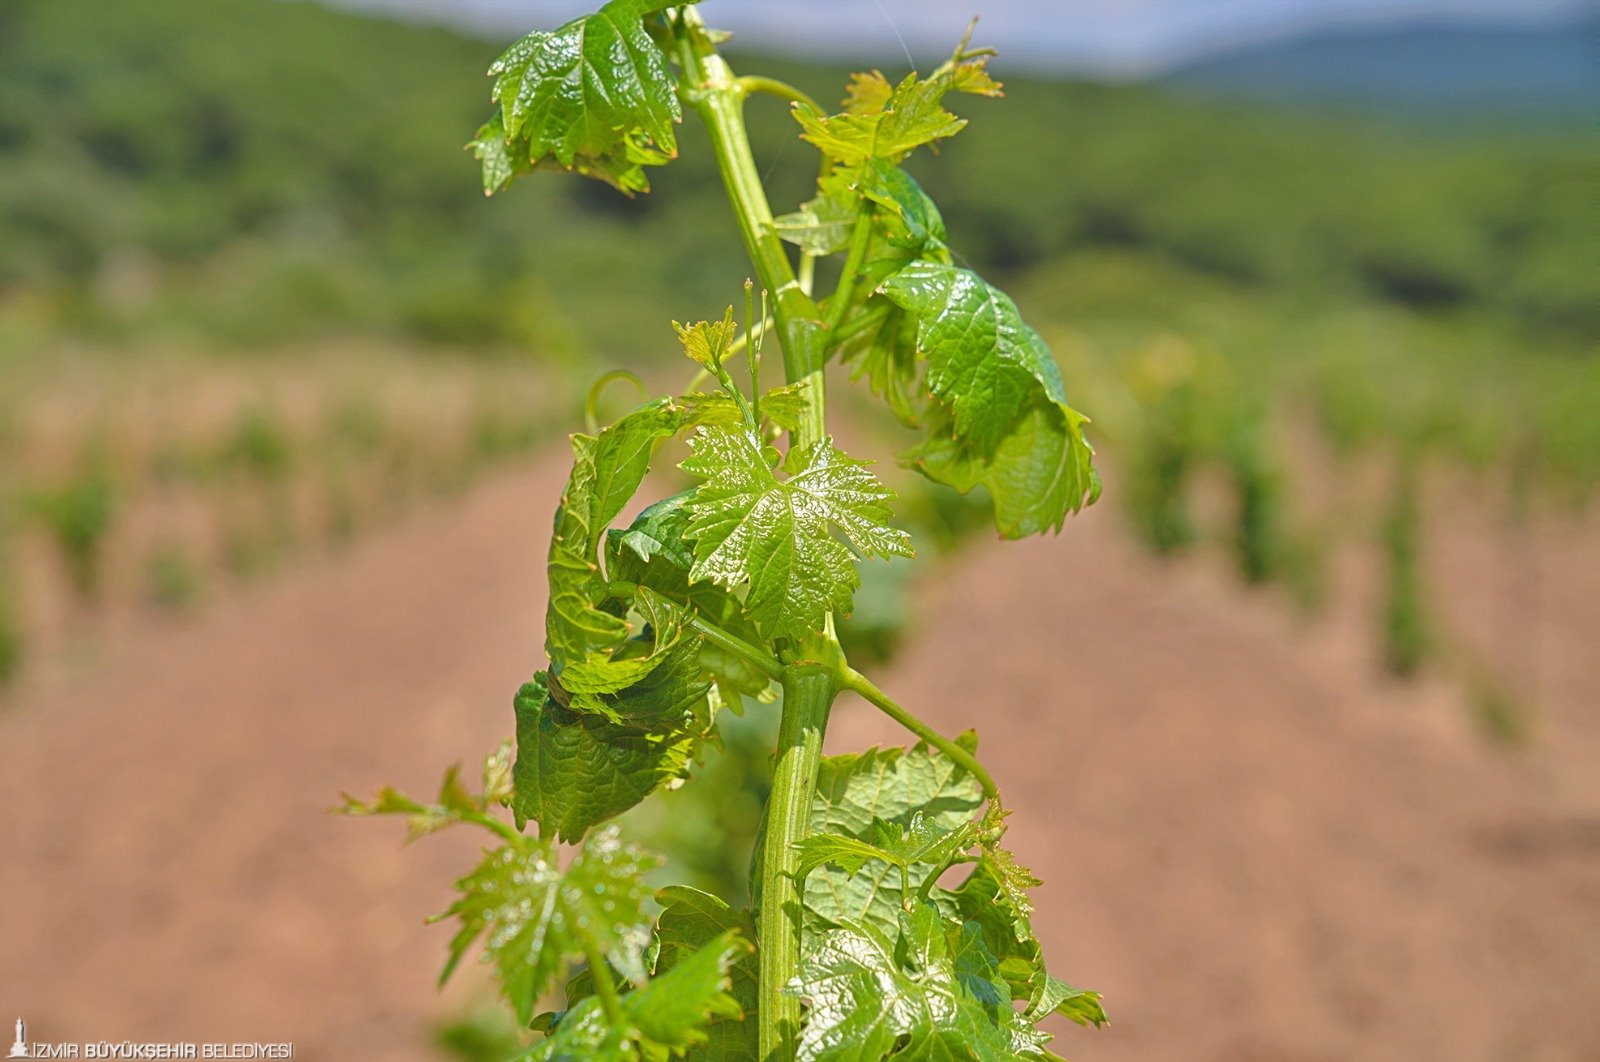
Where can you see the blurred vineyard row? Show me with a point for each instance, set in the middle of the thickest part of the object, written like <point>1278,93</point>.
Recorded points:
<point>149,484</point>
<point>250,300</point>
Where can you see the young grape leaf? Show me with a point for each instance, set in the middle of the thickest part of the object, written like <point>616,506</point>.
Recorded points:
<point>499,163</point>
<point>651,682</point>
<point>1009,427</point>
<point>706,342</point>
<point>873,996</point>
<point>533,916</point>
<point>784,406</point>
<point>859,793</point>
<point>1016,881</point>
<point>574,771</point>
<point>908,118</point>
<point>454,804</point>
<point>822,224</point>
<point>902,846</point>
<point>982,359</point>
<point>987,906</point>
<point>781,405</point>
<point>1058,997</point>
<point>595,96</point>
<point>836,849</point>
<point>657,531</point>
<point>749,526</point>
<point>669,1016</point>
<point>881,121</point>
<point>887,356</point>
<point>919,227</point>
<point>691,919</point>
<point>655,553</point>
<point>1041,471</point>
<point>606,471</point>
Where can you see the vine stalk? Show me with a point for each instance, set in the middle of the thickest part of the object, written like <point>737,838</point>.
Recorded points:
<point>810,675</point>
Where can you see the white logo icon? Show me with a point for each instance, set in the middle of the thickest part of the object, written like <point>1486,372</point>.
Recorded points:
<point>19,1048</point>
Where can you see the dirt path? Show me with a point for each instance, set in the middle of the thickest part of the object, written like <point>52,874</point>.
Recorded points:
<point>167,872</point>
<point>1254,850</point>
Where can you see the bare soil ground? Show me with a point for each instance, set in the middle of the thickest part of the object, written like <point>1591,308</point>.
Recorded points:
<point>1255,848</point>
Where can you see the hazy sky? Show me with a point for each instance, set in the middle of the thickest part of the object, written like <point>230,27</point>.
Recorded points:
<point>1107,37</point>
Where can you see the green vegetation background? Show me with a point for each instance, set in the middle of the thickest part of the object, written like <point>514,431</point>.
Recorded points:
<point>254,172</point>
<point>256,177</point>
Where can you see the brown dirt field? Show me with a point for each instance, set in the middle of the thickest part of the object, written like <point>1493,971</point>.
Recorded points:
<point>1254,848</point>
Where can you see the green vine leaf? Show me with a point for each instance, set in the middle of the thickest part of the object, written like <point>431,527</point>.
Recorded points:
<point>533,916</point>
<point>670,1016</point>
<point>1040,472</point>
<point>595,96</point>
<point>658,531</point>
<point>822,224</point>
<point>690,920</point>
<point>1007,424</point>
<point>986,904</point>
<point>606,471</point>
<point>917,227</point>
<point>915,995</point>
<point>655,553</point>
<point>782,406</point>
<point>983,361</point>
<point>903,846</point>
<point>706,342</point>
<point>454,803</point>
<point>575,771</point>
<point>652,682</point>
<point>750,527</point>
<point>863,796</point>
<point>883,121</point>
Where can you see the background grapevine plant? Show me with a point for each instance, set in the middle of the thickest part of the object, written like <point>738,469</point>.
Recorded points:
<point>728,591</point>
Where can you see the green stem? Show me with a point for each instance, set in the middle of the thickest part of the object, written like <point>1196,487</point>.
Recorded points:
<point>489,822</point>
<point>859,684</point>
<point>858,324</point>
<point>860,236</point>
<point>808,693</point>
<point>751,348</point>
<point>773,87</point>
<point>809,686</point>
<point>604,986</point>
<point>712,89</point>
<point>753,655</point>
<point>737,395</point>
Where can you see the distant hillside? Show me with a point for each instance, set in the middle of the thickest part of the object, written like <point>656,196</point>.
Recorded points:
<point>1550,73</point>
<point>256,171</point>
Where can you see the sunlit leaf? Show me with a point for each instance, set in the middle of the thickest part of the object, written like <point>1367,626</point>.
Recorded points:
<point>595,96</point>
<point>533,916</point>
<point>928,991</point>
<point>672,1014</point>
<point>576,771</point>
<point>777,535</point>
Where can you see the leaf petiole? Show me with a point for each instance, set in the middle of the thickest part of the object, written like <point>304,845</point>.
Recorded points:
<point>857,683</point>
<point>861,322</point>
<point>860,235</point>
<point>489,822</point>
<point>750,654</point>
<point>756,332</point>
<point>752,83</point>
<point>604,987</point>
<point>753,348</point>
